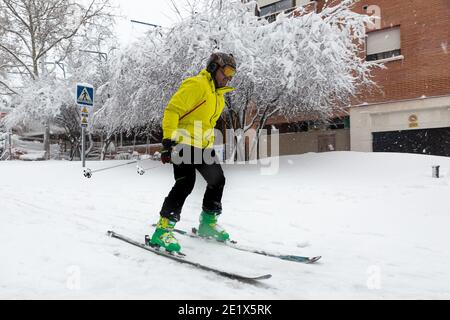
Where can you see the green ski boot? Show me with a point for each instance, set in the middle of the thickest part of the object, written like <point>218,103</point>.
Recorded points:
<point>163,236</point>
<point>210,229</point>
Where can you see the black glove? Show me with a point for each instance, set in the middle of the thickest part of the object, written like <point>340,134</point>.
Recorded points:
<point>166,151</point>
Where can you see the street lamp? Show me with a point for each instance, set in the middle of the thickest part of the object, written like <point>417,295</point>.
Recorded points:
<point>146,23</point>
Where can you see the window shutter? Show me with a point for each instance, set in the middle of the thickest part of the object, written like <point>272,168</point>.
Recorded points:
<point>383,41</point>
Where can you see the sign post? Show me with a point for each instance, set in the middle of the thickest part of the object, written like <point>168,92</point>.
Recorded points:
<point>85,99</point>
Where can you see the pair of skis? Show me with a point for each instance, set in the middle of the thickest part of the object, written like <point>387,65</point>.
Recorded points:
<point>179,257</point>
<point>182,259</point>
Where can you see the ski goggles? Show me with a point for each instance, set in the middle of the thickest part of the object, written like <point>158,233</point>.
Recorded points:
<point>229,71</point>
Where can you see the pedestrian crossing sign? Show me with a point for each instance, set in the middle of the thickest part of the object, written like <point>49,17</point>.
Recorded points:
<point>85,95</point>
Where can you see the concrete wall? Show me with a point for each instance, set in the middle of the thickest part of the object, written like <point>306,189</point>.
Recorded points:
<point>304,142</point>
<point>428,112</point>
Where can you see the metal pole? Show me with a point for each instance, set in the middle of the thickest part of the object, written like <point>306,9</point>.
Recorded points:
<point>436,171</point>
<point>10,145</point>
<point>146,23</point>
<point>83,160</point>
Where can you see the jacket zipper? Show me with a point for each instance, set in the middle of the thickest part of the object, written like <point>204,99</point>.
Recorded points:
<point>198,106</point>
<point>211,119</point>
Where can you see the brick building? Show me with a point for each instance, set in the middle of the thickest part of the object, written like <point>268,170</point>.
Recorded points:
<point>411,110</point>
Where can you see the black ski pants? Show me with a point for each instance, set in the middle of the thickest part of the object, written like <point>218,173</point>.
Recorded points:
<point>185,175</point>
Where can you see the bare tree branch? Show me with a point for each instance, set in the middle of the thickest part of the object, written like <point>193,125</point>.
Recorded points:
<point>20,35</point>
<point>175,7</point>
<point>16,14</point>
<point>18,60</point>
<point>11,91</point>
<point>86,17</point>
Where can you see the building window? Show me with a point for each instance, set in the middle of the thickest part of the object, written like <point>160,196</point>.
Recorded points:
<point>383,44</point>
<point>338,123</point>
<point>277,6</point>
<point>270,7</point>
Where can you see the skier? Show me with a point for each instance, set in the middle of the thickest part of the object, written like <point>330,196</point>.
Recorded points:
<point>198,103</point>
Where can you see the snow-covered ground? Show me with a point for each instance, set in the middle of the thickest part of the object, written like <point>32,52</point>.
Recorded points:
<point>380,221</point>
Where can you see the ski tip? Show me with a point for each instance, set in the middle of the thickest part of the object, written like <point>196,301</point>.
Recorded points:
<point>251,279</point>
<point>110,233</point>
<point>314,259</point>
<point>264,277</point>
<point>307,260</point>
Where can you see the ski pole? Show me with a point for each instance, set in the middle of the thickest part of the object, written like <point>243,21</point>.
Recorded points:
<point>141,171</point>
<point>88,172</point>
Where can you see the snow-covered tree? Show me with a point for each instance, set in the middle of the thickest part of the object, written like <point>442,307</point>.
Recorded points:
<point>312,65</point>
<point>38,99</point>
<point>303,63</point>
<point>35,33</point>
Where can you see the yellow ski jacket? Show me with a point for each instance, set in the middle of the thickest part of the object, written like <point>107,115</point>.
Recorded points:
<point>192,112</point>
